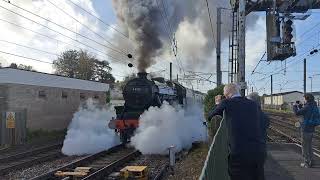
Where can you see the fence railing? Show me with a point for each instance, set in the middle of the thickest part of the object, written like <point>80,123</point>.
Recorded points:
<point>216,164</point>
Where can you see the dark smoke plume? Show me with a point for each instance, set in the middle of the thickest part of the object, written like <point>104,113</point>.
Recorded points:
<point>145,21</point>
<point>141,17</point>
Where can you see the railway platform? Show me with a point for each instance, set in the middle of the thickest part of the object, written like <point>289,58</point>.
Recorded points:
<point>283,160</point>
<point>283,163</point>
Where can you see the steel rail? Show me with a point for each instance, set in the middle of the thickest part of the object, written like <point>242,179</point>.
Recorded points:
<point>29,158</point>
<point>85,161</point>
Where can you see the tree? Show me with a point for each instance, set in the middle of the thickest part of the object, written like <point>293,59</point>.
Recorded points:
<point>25,67</point>
<point>21,66</point>
<point>209,100</point>
<point>66,64</point>
<point>86,66</point>
<point>13,65</point>
<point>103,72</point>
<point>82,65</point>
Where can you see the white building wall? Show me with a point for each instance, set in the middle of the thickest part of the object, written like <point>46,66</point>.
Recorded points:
<point>293,97</point>
<point>267,100</point>
<point>286,98</point>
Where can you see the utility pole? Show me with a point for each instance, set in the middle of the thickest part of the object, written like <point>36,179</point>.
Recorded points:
<point>242,47</point>
<point>170,71</point>
<point>305,75</point>
<point>271,90</point>
<point>218,50</point>
<point>177,77</point>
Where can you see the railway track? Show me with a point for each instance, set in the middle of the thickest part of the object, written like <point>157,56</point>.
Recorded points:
<point>100,162</point>
<point>286,129</point>
<point>3,149</point>
<point>287,120</point>
<point>11,162</point>
<point>289,124</point>
<point>104,163</point>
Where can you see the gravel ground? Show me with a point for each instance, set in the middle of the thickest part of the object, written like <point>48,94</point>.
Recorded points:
<point>40,168</point>
<point>155,163</point>
<point>29,146</point>
<point>190,167</point>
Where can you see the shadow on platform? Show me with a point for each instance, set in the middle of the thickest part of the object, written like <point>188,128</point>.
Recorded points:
<point>283,163</point>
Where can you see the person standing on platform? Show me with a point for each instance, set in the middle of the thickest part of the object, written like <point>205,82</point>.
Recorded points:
<point>246,140</point>
<point>311,118</point>
<point>265,121</point>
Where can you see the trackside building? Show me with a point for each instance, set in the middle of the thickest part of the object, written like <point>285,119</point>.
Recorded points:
<point>48,100</point>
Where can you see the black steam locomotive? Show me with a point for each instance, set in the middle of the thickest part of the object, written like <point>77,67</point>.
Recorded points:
<point>139,94</point>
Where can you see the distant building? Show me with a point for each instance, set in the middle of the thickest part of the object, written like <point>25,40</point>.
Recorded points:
<point>49,100</point>
<point>285,98</point>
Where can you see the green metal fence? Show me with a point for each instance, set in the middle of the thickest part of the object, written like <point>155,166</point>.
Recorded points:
<point>216,164</point>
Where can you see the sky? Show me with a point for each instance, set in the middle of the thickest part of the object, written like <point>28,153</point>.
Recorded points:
<point>287,75</point>
<point>17,33</point>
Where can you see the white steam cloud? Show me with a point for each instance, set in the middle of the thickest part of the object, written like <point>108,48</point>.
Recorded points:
<point>88,132</point>
<point>160,128</point>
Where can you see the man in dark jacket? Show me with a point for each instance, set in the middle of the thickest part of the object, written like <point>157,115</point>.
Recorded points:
<point>265,121</point>
<point>246,139</point>
<point>309,111</point>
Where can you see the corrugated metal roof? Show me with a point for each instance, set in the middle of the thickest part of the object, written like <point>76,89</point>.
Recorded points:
<point>18,76</point>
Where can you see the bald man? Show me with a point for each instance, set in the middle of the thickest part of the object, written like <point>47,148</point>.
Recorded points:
<point>246,140</point>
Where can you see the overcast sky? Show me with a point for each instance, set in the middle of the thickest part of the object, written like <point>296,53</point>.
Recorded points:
<point>12,37</point>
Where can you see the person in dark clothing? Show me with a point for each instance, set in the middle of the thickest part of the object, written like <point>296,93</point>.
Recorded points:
<point>309,111</point>
<point>247,143</point>
<point>300,105</point>
<point>265,121</point>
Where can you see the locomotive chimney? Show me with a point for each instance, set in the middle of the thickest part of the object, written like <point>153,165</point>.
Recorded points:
<point>142,75</point>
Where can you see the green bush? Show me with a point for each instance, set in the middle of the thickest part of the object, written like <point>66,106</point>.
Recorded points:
<point>209,100</point>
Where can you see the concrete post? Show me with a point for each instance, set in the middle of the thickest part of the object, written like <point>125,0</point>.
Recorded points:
<point>242,47</point>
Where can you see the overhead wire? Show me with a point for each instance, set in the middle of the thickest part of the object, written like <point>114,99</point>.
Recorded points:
<point>46,36</point>
<point>258,63</point>
<point>29,58</point>
<point>84,25</point>
<point>73,45</point>
<point>281,69</point>
<point>48,20</point>
<point>103,22</point>
<point>210,20</point>
<point>60,34</point>
<point>38,60</point>
<point>51,29</point>
<point>300,42</point>
<point>17,44</point>
<point>99,19</point>
<point>169,31</point>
